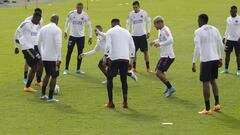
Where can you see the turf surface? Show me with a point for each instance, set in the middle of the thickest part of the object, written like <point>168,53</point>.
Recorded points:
<point>80,110</point>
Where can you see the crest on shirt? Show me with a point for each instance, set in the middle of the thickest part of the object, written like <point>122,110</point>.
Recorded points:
<point>141,16</point>
<point>82,18</point>
<point>236,21</point>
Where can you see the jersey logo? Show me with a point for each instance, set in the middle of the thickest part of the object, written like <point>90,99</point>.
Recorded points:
<point>137,21</point>
<point>141,16</point>
<point>82,18</point>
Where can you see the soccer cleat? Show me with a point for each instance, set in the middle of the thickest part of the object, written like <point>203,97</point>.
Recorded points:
<point>134,70</point>
<point>217,108</point>
<point>133,76</point>
<point>149,70</point>
<point>65,72</point>
<point>43,97</point>
<point>29,89</point>
<point>104,82</point>
<point>52,100</point>
<point>80,72</point>
<point>225,71</point>
<point>238,73</point>
<point>38,84</point>
<point>205,112</point>
<point>125,105</point>
<point>110,105</point>
<point>170,92</point>
<point>25,81</point>
<point>166,90</point>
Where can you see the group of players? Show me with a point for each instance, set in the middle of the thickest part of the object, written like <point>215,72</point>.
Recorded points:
<point>42,48</point>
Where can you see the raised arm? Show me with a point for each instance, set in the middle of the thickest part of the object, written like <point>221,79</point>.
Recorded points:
<point>95,50</point>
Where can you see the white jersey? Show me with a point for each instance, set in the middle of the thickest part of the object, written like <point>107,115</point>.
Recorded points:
<point>30,18</point>
<point>50,43</point>
<point>119,44</point>
<point>138,21</point>
<point>27,33</point>
<point>233,28</point>
<point>208,43</point>
<point>77,22</point>
<point>101,44</point>
<point>165,40</point>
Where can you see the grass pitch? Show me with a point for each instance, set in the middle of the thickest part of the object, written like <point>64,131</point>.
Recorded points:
<point>80,110</point>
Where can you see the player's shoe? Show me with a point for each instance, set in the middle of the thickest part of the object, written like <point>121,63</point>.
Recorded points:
<point>217,108</point>
<point>149,70</point>
<point>125,105</point>
<point>104,82</point>
<point>238,73</point>
<point>166,90</point>
<point>133,76</point>
<point>29,89</point>
<point>52,100</point>
<point>110,105</point>
<point>80,72</point>
<point>43,97</point>
<point>65,72</point>
<point>225,71</point>
<point>39,84</point>
<point>205,112</point>
<point>170,92</point>
<point>134,70</point>
<point>25,81</point>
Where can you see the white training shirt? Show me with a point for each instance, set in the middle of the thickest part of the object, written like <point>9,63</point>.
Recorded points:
<point>77,23</point>
<point>165,40</point>
<point>233,28</point>
<point>119,44</point>
<point>138,21</point>
<point>27,33</point>
<point>208,43</point>
<point>50,43</point>
<point>30,18</point>
<point>101,44</point>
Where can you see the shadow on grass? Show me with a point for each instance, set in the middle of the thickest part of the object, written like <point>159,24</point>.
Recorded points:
<point>182,102</point>
<point>228,120</point>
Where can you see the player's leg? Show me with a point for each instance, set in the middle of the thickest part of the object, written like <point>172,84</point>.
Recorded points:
<point>102,66</point>
<point>25,72</point>
<point>228,51</point>
<point>146,58</point>
<point>123,68</point>
<point>237,53</point>
<point>54,74</point>
<point>71,43</point>
<point>134,66</point>
<point>144,48</point>
<point>39,69</point>
<point>80,47</point>
<point>46,79</point>
<point>216,95</point>
<point>30,79</point>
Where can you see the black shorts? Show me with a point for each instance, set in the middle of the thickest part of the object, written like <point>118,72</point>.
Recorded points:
<point>232,44</point>
<point>31,57</point>
<point>80,41</point>
<point>51,68</point>
<point>141,43</point>
<point>118,67</point>
<point>164,63</point>
<point>37,50</point>
<point>209,71</point>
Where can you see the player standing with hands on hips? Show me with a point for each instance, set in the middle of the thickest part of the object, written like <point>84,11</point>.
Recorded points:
<point>208,43</point>
<point>77,20</point>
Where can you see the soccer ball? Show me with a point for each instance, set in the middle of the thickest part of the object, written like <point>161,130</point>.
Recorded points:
<point>56,90</point>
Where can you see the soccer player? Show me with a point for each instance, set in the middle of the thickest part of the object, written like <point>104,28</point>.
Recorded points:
<point>119,47</point>
<point>208,43</point>
<point>232,35</point>
<point>101,44</point>
<point>50,46</point>
<point>77,20</point>
<point>165,42</point>
<point>40,70</point>
<point>139,18</point>
<point>27,35</point>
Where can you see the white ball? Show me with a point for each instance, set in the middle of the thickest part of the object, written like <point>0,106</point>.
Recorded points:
<point>56,90</point>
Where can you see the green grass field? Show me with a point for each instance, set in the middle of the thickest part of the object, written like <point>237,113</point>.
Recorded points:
<point>81,111</point>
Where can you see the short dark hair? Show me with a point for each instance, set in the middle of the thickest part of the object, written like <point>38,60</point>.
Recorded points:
<point>37,14</point>
<point>136,3</point>
<point>98,26</point>
<point>80,4</point>
<point>38,10</point>
<point>233,7</point>
<point>115,20</point>
<point>203,17</point>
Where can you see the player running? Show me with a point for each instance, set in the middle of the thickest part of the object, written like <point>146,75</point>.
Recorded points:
<point>139,18</point>
<point>232,35</point>
<point>208,43</point>
<point>101,45</point>
<point>165,42</point>
<point>27,35</point>
<point>77,20</point>
<point>50,46</point>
